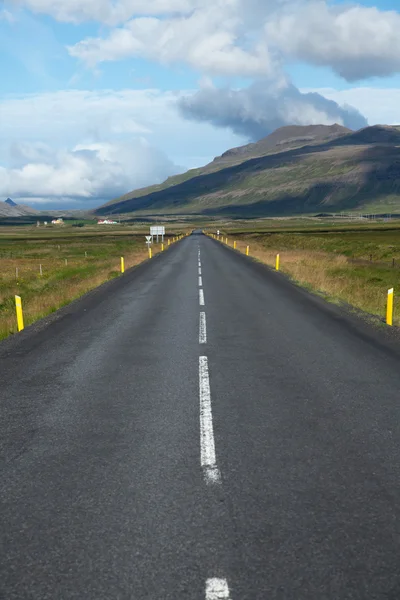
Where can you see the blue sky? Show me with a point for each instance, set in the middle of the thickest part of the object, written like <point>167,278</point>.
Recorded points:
<point>99,97</point>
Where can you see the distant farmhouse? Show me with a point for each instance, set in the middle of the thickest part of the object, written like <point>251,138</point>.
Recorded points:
<point>106,222</point>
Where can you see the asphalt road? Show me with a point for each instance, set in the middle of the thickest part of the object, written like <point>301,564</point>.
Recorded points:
<point>200,429</point>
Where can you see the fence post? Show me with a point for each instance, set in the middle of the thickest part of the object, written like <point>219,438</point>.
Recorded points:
<point>40,270</point>
<point>389,308</point>
<point>20,316</point>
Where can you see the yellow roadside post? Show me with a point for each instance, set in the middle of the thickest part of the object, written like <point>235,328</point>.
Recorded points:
<point>389,308</point>
<point>277,263</point>
<point>122,265</point>
<point>150,252</point>
<point>162,247</point>
<point>169,242</point>
<point>226,241</point>
<point>247,250</point>
<point>234,245</point>
<point>20,316</point>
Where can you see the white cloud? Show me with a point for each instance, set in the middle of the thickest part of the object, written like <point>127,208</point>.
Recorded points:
<point>266,105</point>
<point>87,171</point>
<point>251,38</point>
<point>209,39</point>
<point>96,145</point>
<point>67,118</point>
<point>110,12</point>
<point>356,41</point>
<point>236,37</point>
<point>379,105</point>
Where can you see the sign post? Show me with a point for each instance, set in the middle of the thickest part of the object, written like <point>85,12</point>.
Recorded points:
<point>156,231</point>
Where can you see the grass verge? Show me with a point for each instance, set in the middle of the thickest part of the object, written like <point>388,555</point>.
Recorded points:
<point>70,267</point>
<point>338,267</point>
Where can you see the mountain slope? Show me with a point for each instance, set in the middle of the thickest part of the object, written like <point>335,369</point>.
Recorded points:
<point>9,208</point>
<point>295,170</point>
<point>282,139</point>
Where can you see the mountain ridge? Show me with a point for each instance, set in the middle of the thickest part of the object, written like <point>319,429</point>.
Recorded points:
<point>295,170</point>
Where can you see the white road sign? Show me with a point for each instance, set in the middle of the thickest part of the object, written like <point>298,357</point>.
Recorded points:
<point>148,239</point>
<point>157,230</point>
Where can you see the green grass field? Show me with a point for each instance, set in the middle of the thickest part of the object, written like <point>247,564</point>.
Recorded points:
<point>72,261</point>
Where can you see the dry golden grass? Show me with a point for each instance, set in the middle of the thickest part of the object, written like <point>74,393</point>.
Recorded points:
<point>335,276</point>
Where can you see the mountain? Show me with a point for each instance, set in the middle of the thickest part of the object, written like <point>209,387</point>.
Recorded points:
<point>281,140</point>
<point>295,170</point>
<point>9,208</point>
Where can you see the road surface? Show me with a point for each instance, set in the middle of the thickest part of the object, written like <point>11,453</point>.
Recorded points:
<point>200,429</point>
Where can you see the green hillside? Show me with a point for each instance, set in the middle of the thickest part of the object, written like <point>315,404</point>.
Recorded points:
<point>296,170</point>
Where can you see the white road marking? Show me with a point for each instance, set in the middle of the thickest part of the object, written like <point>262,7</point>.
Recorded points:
<point>200,282</point>
<point>199,269</point>
<point>217,589</point>
<point>201,297</point>
<point>207,444</point>
<point>202,329</point>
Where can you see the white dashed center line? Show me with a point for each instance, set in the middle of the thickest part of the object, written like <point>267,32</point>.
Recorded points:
<point>207,444</point>
<point>202,329</point>
<point>217,589</point>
